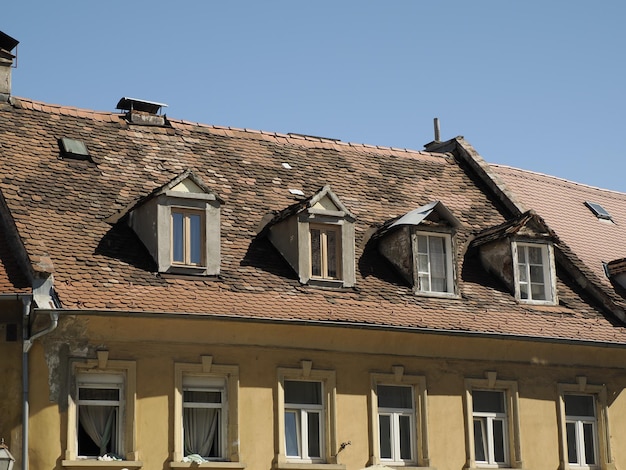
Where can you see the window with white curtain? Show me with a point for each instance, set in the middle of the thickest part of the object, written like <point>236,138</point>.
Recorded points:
<point>204,417</point>
<point>534,273</point>
<point>100,414</point>
<point>434,263</point>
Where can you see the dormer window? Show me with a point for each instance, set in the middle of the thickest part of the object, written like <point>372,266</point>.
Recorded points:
<point>316,237</point>
<point>420,246</point>
<point>325,251</point>
<point>179,224</point>
<point>434,263</point>
<point>520,252</point>
<point>533,272</point>
<point>187,237</point>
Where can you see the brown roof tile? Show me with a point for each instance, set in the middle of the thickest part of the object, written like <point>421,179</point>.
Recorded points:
<point>61,206</point>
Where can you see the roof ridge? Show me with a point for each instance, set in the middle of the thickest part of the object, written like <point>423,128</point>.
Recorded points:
<point>562,180</point>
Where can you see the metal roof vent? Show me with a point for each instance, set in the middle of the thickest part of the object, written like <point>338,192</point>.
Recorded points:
<point>142,112</point>
<point>599,211</point>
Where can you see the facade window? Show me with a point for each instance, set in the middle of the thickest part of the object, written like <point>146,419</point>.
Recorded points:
<point>492,423</point>
<point>325,251</point>
<point>398,413</point>
<point>581,430</point>
<point>100,414</point>
<point>187,237</point>
<point>304,418</point>
<point>434,263</point>
<point>396,423</point>
<point>584,426</point>
<point>204,417</point>
<point>534,273</point>
<point>490,427</point>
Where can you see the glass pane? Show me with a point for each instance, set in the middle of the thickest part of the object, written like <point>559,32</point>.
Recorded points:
<point>523,275</point>
<point>292,434</point>
<point>579,405</point>
<point>316,253</point>
<point>424,283</point>
<point>385,436</point>
<point>195,238</point>
<point>177,237</point>
<point>331,239</point>
<point>392,396</point>
<point>523,291</point>
<point>498,440</point>
<point>303,393</point>
<point>572,455</point>
<point>534,255</point>
<point>487,401</point>
<point>405,437</point>
<point>521,254</point>
<point>314,434</point>
<point>107,394</point>
<point>480,446</point>
<point>422,263</point>
<point>590,453</point>
<point>536,274</point>
<point>422,244</point>
<point>538,291</point>
<point>202,396</point>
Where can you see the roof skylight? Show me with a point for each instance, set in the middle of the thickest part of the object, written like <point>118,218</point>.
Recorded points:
<point>76,149</point>
<point>599,211</point>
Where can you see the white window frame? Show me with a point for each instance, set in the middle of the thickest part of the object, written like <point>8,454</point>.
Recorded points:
<point>419,420</point>
<point>602,445</point>
<point>302,412</point>
<point>449,264</point>
<point>329,447</point>
<point>209,374</point>
<point>488,418</point>
<point>102,381</point>
<point>549,272</point>
<point>97,370</point>
<point>513,451</point>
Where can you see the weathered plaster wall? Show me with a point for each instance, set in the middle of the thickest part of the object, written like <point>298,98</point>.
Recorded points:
<point>258,349</point>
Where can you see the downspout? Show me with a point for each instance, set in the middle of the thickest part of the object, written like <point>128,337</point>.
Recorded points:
<point>28,343</point>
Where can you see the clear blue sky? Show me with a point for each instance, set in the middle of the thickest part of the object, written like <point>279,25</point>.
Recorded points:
<point>534,84</point>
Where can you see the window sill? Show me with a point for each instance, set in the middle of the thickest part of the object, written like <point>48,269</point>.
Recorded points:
<point>308,466</point>
<point>438,295</point>
<point>209,464</point>
<point>102,464</point>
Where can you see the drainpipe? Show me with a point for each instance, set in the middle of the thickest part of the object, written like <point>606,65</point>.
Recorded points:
<point>28,343</point>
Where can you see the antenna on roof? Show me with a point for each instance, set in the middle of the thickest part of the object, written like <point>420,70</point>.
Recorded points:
<point>436,124</point>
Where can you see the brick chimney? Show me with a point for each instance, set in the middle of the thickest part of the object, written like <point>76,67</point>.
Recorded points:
<point>7,44</point>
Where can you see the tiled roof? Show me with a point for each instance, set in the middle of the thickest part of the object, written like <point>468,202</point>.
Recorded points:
<point>561,203</point>
<point>62,207</point>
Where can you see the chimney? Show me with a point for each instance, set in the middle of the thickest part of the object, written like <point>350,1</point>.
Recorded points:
<point>142,112</point>
<point>7,44</point>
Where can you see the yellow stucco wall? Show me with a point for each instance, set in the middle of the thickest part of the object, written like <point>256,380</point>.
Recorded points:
<point>260,348</point>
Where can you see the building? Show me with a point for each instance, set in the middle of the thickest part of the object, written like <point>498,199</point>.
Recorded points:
<point>177,295</point>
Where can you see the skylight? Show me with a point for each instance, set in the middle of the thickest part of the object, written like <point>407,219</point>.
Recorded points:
<point>76,149</point>
<point>599,211</point>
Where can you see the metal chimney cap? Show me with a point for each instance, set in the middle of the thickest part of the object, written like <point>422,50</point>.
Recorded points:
<point>7,42</point>
<point>129,104</point>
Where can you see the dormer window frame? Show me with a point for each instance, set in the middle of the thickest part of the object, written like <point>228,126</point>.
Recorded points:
<point>205,205</point>
<point>450,264</point>
<point>324,252</point>
<point>548,271</point>
<point>187,238</point>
